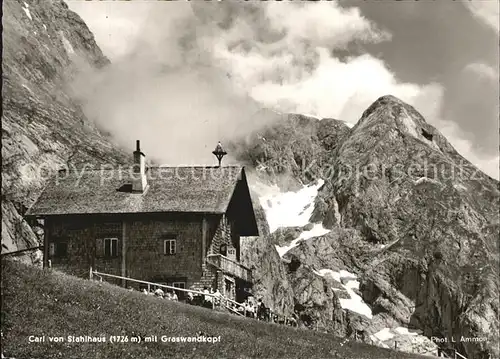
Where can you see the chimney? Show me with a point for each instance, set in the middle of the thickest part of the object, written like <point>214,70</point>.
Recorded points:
<point>139,181</point>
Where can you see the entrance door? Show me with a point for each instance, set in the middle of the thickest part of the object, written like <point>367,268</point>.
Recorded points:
<point>229,288</point>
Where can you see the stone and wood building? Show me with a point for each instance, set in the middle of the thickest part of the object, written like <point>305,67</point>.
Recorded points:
<point>178,226</point>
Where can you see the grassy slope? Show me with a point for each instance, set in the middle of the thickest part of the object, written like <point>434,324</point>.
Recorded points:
<point>44,302</point>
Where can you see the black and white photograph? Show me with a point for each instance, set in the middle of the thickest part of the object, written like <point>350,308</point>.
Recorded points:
<point>234,179</point>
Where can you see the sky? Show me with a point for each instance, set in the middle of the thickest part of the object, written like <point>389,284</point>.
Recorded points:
<point>203,70</point>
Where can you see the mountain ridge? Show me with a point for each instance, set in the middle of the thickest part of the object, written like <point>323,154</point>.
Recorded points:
<point>423,220</point>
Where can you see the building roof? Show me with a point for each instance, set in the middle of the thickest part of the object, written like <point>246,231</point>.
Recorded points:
<point>170,189</point>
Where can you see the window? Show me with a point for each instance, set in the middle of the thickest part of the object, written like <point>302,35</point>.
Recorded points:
<point>180,294</point>
<point>58,249</point>
<point>169,246</point>
<point>229,287</point>
<point>111,247</point>
<point>181,285</point>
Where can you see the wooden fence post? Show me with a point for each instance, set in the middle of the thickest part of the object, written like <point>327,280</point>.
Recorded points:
<point>90,273</point>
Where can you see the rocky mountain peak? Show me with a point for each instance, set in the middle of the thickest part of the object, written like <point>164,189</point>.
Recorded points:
<point>391,116</point>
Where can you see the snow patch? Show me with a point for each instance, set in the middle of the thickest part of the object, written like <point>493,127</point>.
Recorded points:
<point>410,126</point>
<point>317,231</point>
<point>384,334</point>
<point>27,11</point>
<point>282,250</point>
<point>67,45</point>
<point>426,180</point>
<point>347,274</point>
<point>460,187</point>
<point>352,284</point>
<point>404,331</point>
<point>328,273</point>
<point>289,209</point>
<point>354,303</point>
<point>348,124</point>
<point>45,27</point>
<point>407,341</point>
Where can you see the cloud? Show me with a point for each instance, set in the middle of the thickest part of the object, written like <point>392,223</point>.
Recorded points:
<point>323,24</point>
<point>471,102</point>
<point>116,28</point>
<point>201,73</point>
<point>489,164</point>
<point>429,103</point>
<point>482,70</point>
<point>177,89</point>
<point>334,88</point>
<point>299,72</point>
<point>486,11</point>
<point>168,91</point>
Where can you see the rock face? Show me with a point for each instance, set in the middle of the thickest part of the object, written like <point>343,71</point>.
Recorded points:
<point>416,221</point>
<point>291,152</point>
<point>269,274</point>
<point>414,190</point>
<point>316,304</point>
<point>43,128</point>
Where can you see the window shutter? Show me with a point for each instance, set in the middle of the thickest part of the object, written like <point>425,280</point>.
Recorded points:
<point>52,249</point>
<point>99,248</point>
<point>114,247</point>
<point>118,247</point>
<point>172,247</point>
<point>107,247</point>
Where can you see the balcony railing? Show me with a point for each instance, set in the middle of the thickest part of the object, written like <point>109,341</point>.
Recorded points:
<point>230,266</point>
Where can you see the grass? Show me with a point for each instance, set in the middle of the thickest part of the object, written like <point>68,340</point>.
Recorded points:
<point>46,302</point>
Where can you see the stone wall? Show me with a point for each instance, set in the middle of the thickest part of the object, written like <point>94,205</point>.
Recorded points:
<point>145,250</point>
<point>144,247</point>
<point>81,248</point>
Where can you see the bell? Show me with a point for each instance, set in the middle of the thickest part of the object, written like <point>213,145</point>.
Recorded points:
<point>219,152</point>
